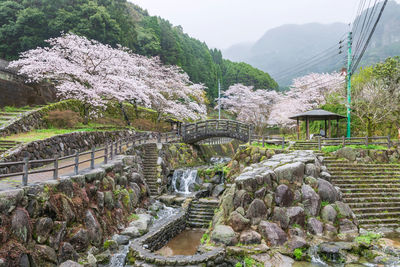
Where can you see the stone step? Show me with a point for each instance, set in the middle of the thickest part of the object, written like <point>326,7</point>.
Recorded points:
<point>365,210</point>
<point>371,199</point>
<point>202,212</point>
<point>343,183</point>
<point>200,217</point>
<point>379,215</point>
<point>360,165</point>
<point>353,177</point>
<point>373,189</point>
<point>204,221</point>
<point>379,221</point>
<point>371,194</point>
<point>387,204</point>
<point>365,172</point>
<point>197,225</point>
<point>379,225</point>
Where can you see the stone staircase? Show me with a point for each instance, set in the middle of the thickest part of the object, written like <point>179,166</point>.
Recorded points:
<point>6,145</point>
<point>201,212</point>
<point>371,190</point>
<point>150,157</point>
<point>305,145</point>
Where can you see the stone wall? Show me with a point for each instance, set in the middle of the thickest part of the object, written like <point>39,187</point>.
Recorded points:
<point>15,92</point>
<point>61,145</point>
<point>49,223</point>
<point>156,239</point>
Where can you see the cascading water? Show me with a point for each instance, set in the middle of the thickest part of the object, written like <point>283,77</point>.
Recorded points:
<point>183,180</point>
<point>219,160</point>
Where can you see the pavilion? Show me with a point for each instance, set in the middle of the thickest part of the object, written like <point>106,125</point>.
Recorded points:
<point>317,115</point>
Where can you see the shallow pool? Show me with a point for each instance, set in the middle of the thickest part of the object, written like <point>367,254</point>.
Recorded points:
<point>186,243</point>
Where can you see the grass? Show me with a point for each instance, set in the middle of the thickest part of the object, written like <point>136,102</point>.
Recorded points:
<point>267,146</point>
<point>330,149</point>
<point>43,134</point>
<point>15,109</point>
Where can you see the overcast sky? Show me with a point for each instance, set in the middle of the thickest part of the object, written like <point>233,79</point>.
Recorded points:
<point>222,23</point>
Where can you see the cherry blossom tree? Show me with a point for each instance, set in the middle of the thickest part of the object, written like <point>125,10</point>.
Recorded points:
<point>306,93</point>
<point>248,105</point>
<point>95,73</point>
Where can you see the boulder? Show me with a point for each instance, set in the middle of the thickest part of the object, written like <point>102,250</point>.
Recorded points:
<point>256,211</point>
<point>70,263</point>
<point>283,196</point>
<point>312,170</point>
<point>347,153</point>
<point>291,172</point>
<point>121,239</point>
<point>272,233</point>
<point>132,232</point>
<point>238,222</point>
<point>57,234</point>
<point>280,216</point>
<point>224,234</point>
<point>242,199</point>
<point>326,191</point>
<point>344,210</point>
<point>46,255</point>
<point>326,176</point>
<point>311,200</point>
<point>311,181</point>
<point>43,227</point>
<point>347,227</point>
<point>67,252</point>
<point>328,213</point>
<point>314,226</point>
<point>21,227</point>
<point>260,193</point>
<point>250,237</point>
<point>80,240</point>
<point>218,190</point>
<point>227,201</point>
<point>94,228</point>
<point>296,215</point>
<point>330,231</point>
<point>142,224</point>
<point>296,242</point>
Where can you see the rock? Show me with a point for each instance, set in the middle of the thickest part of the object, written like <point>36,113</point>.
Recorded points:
<point>70,263</point>
<point>43,228</point>
<point>283,196</point>
<point>100,200</point>
<point>242,199</point>
<point>311,181</point>
<point>10,198</point>
<point>132,232</point>
<point>227,201</point>
<point>279,260</point>
<point>216,179</point>
<point>238,222</point>
<point>142,224</point>
<point>296,242</point>
<point>311,200</point>
<point>296,215</point>
<point>280,217</point>
<point>250,237</point>
<point>344,210</point>
<point>67,252</point>
<point>110,244</point>
<point>328,213</point>
<point>94,228</point>
<point>260,193</point>
<point>91,259</point>
<point>312,170</point>
<point>104,257</point>
<point>65,186</point>
<point>109,200</point>
<point>256,211</point>
<point>21,227</point>
<point>272,233</point>
<point>347,152</point>
<point>80,240</point>
<point>218,190</point>
<point>121,239</point>
<point>347,227</point>
<point>326,176</point>
<point>46,254</point>
<point>326,191</point>
<point>292,172</point>
<point>314,226</point>
<point>330,231</point>
<point>296,231</point>
<point>223,234</point>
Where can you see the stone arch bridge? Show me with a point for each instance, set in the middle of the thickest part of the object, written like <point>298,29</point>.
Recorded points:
<point>194,132</point>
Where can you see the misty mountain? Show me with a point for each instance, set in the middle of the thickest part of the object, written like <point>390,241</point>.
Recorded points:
<point>283,51</point>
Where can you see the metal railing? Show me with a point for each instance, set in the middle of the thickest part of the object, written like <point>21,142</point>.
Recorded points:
<point>109,151</point>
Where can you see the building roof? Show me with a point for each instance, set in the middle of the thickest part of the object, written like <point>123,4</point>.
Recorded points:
<point>316,115</point>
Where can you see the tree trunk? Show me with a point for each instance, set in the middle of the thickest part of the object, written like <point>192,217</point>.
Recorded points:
<point>86,114</point>
<point>136,109</point>
<point>158,117</point>
<point>125,115</point>
<point>369,127</point>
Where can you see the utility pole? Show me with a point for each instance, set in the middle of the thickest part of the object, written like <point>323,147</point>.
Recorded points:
<point>219,100</point>
<point>349,44</point>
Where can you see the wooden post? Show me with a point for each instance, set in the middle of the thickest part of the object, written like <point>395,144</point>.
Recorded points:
<point>55,172</point>
<point>92,157</point>
<point>319,143</point>
<point>307,129</point>
<point>263,141</point>
<point>116,147</point>
<point>25,170</point>
<point>166,138</point>
<point>337,127</point>
<point>298,129</point>
<point>111,150</point>
<point>366,140</point>
<point>106,153</point>
<point>343,141</point>
<point>389,143</point>
<point>329,129</point>
<point>283,142</point>
<point>326,133</point>
<point>76,167</point>
<point>120,146</point>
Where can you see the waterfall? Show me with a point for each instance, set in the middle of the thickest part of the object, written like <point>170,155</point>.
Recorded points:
<point>183,179</point>
<point>219,160</point>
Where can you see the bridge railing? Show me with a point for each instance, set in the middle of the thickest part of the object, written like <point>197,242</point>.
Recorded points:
<point>106,152</point>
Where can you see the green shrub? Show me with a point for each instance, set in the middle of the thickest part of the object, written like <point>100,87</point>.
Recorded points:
<point>298,254</point>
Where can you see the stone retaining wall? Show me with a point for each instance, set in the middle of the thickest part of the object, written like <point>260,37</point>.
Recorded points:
<point>49,223</point>
<point>157,238</point>
<point>61,145</point>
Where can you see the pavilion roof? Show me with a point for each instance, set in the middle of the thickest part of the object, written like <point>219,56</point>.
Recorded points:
<point>316,115</point>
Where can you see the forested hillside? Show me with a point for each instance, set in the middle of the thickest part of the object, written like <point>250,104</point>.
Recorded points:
<point>26,24</point>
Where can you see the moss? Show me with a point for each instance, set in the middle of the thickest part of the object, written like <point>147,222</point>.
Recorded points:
<point>133,217</point>
<point>366,239</point>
